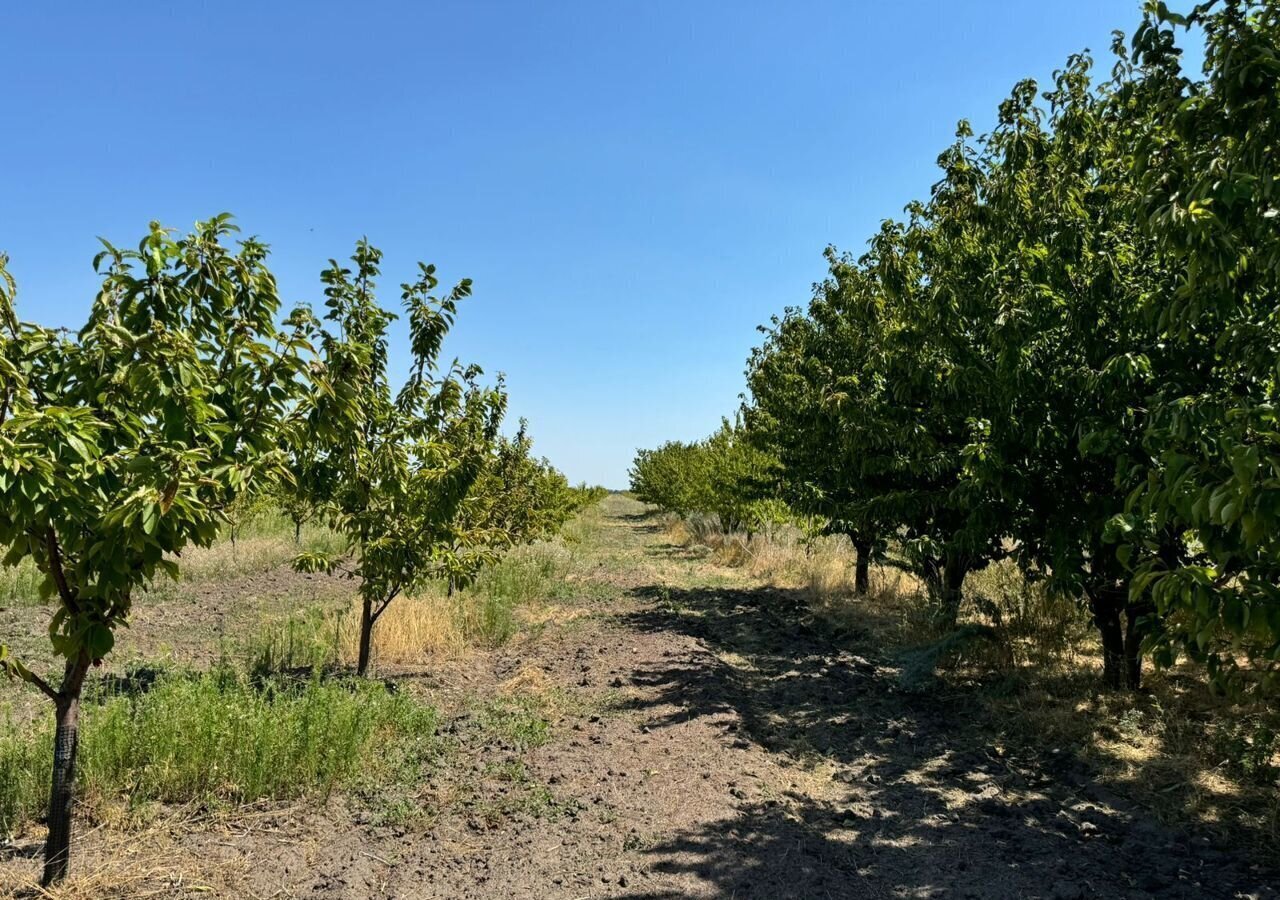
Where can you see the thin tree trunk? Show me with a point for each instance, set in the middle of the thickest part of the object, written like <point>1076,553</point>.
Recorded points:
<point>1134,632</point>
<point>366,634</point>
<point>862,566</point>
<point>297,533</point>
<point>951,590</point>
<point>57,848</point>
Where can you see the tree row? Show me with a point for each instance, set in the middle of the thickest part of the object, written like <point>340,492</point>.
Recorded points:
<point>1067,355</point>
<point>186,396</point>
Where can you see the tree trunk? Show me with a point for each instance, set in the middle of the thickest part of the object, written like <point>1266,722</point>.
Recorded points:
<point>951,590</point>
<point>1134,632</point>
<point>297,533</point>
<point>57,847</point>
<point>1107,603</point>
<point>862,567</point>
<point>366,634</point>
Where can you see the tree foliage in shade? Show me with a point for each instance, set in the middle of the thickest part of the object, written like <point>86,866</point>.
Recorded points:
<point>125,443</point>
<point>393,477</point>
<point>1204,154</point>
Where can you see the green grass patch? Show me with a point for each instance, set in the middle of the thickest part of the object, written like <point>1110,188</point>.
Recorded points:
<point>308,639</point>
<point>520,721</point>
<point>221,737</point>
<point>487,610</point>
<point>20,585</point>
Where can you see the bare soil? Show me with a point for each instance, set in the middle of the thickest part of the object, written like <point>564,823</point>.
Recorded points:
<point>710,740</point>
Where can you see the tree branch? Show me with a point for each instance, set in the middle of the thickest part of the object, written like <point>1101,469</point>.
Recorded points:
<point>395,592</point>
<point>32,678</point>
<point>55,569</point>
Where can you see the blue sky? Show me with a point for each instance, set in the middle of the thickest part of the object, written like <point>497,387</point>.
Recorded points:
<point>633,187</point>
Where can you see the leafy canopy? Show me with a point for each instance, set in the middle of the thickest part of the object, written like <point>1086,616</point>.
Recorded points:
<point>393,475</point>
<point>124,443</point>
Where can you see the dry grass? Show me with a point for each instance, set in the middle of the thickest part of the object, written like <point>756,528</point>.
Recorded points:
<point>135,864</point>
<point>267,545</point>
<point>516,593</point>
<point>411,630</point>
<point>823,567</point>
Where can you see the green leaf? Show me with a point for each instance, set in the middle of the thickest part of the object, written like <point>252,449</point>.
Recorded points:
<point>98,641</point>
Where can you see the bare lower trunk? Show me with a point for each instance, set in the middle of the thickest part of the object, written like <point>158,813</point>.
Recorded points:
<point>862,567</point>
<point>1108,622</point>
<point>951,590</point>
<point>1134,632</point>
<point>1121,644</point>
<point>366,634</point>
<point>57,847</point>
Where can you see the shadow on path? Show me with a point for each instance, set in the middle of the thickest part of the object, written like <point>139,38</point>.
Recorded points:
<point>895,794</point>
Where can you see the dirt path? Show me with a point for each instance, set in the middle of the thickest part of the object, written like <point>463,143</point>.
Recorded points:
<point>711,743</point>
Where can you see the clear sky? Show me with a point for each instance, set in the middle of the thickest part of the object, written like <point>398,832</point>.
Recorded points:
<point>633,186</point>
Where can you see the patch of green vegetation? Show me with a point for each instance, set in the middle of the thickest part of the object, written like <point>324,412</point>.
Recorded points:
<point>221,737</point>
<point>519,793</point>
<point>308,639</point>
<point>520,721</point>
<point>20,585</point>
<point>487,610</point>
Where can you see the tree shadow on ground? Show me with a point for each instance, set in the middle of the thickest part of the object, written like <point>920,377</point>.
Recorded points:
<point>24,850</point>
<point>914,799</point>
<point>646,522</point>
<point>676,551</point>
<point>648,527</point>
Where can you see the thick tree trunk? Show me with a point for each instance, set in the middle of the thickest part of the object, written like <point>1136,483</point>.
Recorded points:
<point>57,848</point>
<point>862,566</point>
<point>366,634</point>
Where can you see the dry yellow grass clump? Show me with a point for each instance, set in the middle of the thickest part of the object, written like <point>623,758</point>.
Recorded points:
<point>411,629</point>
<point>431,624</point>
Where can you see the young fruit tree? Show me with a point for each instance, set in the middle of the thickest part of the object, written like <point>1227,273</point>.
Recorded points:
<point>393,476</point>
<point>126,442</point>
<point>517,499</point>
<point>815,373</point>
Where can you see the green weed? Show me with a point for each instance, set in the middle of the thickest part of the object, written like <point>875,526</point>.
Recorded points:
<point>218,737</point>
